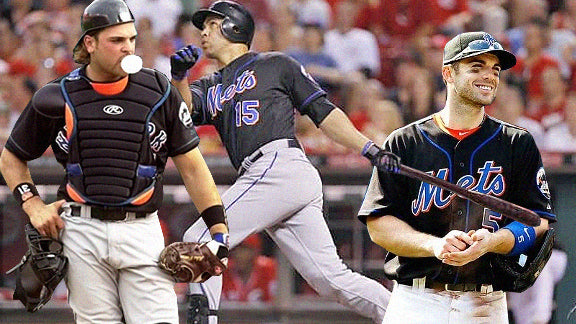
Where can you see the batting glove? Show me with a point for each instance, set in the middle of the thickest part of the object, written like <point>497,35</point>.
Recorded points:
<point>183,60</point>
<point>382,160</point>
<point>220,243</point>
<point>220,248</point>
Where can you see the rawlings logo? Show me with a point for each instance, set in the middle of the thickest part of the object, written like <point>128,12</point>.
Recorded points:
<point>490,182</point>
<point>113,109</point>
<point>216,97</point>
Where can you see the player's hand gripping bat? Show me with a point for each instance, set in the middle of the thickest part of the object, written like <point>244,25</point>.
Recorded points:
<point>496,204</point>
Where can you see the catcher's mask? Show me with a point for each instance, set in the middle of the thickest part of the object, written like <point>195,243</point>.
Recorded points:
<point>40,271</point>
<point>103,13</point>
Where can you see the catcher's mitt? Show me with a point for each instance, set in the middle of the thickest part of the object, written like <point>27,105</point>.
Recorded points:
<point>518,273</point>
<point>40,271</point>
<point>194,262</point>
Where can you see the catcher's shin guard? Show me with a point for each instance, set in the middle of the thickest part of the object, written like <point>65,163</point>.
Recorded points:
<point>199,310</point>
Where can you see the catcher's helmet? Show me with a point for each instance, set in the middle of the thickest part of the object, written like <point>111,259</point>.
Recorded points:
<point>104,13</point>
<point>238,25</point>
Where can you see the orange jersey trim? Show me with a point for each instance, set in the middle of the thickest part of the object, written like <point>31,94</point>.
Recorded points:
<point>459,134</point>
<point>69,117</point>
<point>143,197</point>
<point>110,88</point>
<point>74,195</point>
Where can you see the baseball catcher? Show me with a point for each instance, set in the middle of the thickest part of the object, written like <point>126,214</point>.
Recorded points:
<point>194,262</point>
<point>40,271</point>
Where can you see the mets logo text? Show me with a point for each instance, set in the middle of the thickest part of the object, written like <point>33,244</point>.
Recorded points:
<point>490,182</point>
<point>216,96</point>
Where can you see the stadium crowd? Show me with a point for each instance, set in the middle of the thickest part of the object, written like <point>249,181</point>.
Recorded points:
<point>378,59</point>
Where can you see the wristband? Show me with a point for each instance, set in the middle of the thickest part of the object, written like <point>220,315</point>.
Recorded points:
<point>524,237</point>
<point>213,215</point>
<point>366,147</point>
<point>179,76</point>
<point>24,191</point>
<point>223,238</point>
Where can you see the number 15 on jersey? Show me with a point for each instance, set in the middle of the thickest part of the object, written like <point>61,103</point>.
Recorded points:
<point>247,112</point>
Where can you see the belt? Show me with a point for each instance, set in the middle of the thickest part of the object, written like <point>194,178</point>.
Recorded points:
<point>268,147</point>
<point>422,282</point>
<point>104,214</point>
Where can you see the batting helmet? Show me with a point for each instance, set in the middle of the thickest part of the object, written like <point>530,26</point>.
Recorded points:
<point>104,13</point>
<point>238,25</point>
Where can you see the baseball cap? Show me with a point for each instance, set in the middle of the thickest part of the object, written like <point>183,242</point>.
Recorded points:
<point>475,43</point>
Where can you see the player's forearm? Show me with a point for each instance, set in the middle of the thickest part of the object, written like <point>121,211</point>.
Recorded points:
<point>197,179</point>
<point>397,237</point>
<point>338,127</point>
<point>505,240</point>
<point>14,170</point>
<point>184,89</point>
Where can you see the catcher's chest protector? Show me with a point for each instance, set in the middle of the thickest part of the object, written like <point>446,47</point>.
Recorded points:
<point>110,160</point>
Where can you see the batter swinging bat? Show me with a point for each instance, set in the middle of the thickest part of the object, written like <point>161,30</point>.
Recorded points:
<point>496,204</point>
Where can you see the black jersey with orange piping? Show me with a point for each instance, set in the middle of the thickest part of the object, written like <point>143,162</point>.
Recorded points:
<point>113,139</point>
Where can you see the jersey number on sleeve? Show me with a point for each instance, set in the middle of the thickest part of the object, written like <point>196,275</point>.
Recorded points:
<point>247,112</point>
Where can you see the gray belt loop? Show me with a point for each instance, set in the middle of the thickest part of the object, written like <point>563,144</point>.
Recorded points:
<point>486,289</point>
<point>85,211</point>
<point>419,283</point>
<point>130,216</point>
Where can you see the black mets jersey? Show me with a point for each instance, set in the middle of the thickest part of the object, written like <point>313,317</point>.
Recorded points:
<point>498,159</point>
<point>251,101</point>
<point>43,124</point>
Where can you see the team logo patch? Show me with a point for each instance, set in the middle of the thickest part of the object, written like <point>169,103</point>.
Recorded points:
<point>488,38</point>
<point>113,109</point>
<point>184,115</point>
<point>542,183</point>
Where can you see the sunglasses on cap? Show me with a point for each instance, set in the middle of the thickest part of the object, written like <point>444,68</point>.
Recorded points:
<point>475,43</point>
<point>482,45</point>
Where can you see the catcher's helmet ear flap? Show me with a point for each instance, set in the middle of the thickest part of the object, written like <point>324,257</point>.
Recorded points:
<point>237,26</point>
<point>40,271</point>
<point>104,13</point>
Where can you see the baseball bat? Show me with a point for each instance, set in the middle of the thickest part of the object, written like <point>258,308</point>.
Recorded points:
<point>496,204</point>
